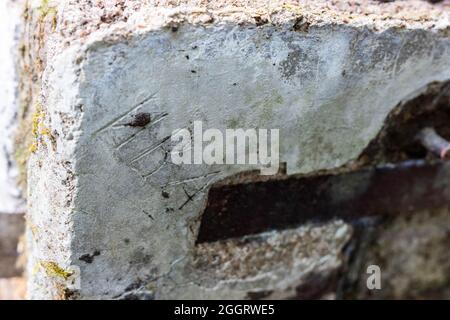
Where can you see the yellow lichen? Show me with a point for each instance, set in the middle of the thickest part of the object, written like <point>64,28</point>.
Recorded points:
<point>45,132</point>
<point>37,120</point>
<point>46,10</point>
<point>36,268</point>
<point>33,147</point>
<point>52,269</point>
<point>293,8</point>
<point>38,130</point>
<point>37,127</point>
<point>33,60</point>
<point>33,228</point>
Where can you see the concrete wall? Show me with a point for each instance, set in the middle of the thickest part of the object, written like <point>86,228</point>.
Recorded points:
<point>111,217</point>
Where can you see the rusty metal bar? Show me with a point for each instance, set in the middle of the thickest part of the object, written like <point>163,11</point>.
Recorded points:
<point>279,203</point>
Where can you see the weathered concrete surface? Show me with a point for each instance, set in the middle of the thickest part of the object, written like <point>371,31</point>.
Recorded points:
<point>283,263</point>
<point>105,198</point>
<point>10,18</point>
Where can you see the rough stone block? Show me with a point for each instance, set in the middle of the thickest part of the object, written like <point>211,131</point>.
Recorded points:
<point>107,207</point>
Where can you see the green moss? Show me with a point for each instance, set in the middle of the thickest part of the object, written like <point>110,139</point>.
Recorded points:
<point>269,104</point>
<point>233,123</point>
